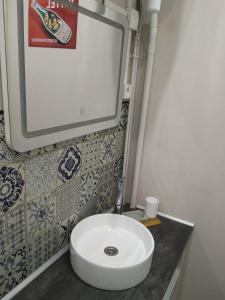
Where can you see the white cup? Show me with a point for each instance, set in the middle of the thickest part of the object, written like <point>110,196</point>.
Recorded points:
<point>151,207</point>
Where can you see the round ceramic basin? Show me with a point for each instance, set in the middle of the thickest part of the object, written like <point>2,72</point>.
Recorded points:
<point>111,252</point>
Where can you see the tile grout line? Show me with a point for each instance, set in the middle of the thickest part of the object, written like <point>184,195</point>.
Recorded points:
<point>39,271</point>
<point>118,134</point>
<point>35,274</point>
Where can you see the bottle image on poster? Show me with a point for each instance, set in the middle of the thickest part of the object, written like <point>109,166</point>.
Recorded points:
<point>54,28</point>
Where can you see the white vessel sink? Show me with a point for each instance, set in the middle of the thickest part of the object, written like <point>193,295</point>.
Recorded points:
<point>111,252</point>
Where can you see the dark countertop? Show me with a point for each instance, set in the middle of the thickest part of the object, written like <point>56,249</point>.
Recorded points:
<point>59,282</point>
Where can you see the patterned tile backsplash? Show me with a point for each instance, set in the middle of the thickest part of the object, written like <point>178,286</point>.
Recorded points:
<point>45,192</point>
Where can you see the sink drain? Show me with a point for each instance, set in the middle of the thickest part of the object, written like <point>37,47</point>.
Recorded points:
<point>111,251</point>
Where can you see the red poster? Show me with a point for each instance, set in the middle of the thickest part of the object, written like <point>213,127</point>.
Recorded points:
<point>51,25</point>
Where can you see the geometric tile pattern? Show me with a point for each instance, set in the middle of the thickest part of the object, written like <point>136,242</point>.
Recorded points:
<point>108,187</point>
<point>45,192</point>
<point>12,230</point>
<point>90,152</point>
<point>107,176</point>
<point>119,144</point>
<point>41,174</point>
<point>41,248</point>
<point>67,199</point>
<point>124,115</point>
<point>7,155</point>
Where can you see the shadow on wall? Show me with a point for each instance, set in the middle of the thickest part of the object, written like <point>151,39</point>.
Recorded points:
<point>167,57</point>
<point>170,34</point>
<point>186,168</point>
<point>164,70</point>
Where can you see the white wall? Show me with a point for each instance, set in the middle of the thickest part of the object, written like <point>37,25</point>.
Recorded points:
<point>184,151</point>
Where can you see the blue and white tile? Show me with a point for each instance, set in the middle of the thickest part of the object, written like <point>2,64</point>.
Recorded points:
<point>107,191</point>
<point>41,214</point>
<point>105,200</point>
<point>69,163</point>
<point>89,186</point>
<point>12,230</point>
<point>13,270</point>
<point>91,136</point>
<point>106,175</point>
<point>7,155</point>
<point>65,228</point>
<point>42,247</point>
<point>41,174</point>
<point>11,186</point>
<point>108,149</point>
<point>124,116</point>
<point>107,131</point>
<point>120,144</point>
<point>89,208</point>
<point>118,169</point>
<point>40,151</point>
<point>67,198</point>
<point>69,143</point>
<point>90,152</point>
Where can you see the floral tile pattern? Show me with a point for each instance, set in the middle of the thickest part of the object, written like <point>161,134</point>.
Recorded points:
<point>12,230</point>
<point>41,248</point>
<point>45,192</point>
<point>69,163</point>
<point>104,202</point>
<point>108,148</point>
<point>11,186</point>
<point>89,186</point>
<point>13,270</point>
<point>7,155</point>
<point>41,174</point>
<point>41,214</point>
<point>66,227</point>
<point>67,199</point>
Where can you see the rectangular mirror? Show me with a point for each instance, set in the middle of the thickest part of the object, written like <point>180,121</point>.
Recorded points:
<point>59,93</point>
